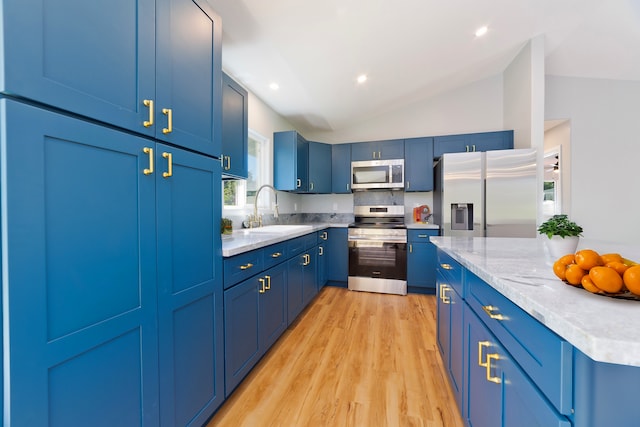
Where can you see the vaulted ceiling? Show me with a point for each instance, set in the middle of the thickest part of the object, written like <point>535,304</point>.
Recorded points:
<point>410,49</point>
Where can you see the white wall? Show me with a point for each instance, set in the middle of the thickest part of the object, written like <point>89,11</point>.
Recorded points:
<point>476,107</point>
<point>605,148</point>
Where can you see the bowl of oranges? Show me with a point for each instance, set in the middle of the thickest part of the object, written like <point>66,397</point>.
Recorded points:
<point>607,274</point>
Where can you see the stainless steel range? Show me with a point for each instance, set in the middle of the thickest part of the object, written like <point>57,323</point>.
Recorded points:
<point>378,250</point>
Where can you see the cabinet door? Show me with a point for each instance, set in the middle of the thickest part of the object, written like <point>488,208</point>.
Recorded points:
<point>392,149</point>
<point>273,306</point>
<point>189,285</point>
<point>322,266</point>
<point>235,128</point>
<point>294,287</point>
<point>484,380</point>
<point>96,60</point>
<point>309,276</point>
<point>319,168</point>
<point>188,75</point>
<point>338,255</point>
<point>364,151</point>
<point>79,272</point>
<point>290,157</point>
<point>487,141</point>
<point>418,164</point>
<point>341,168</point>
<point>378,150</point>
<point>450,144</point>
<point>421,265</point>
<point>241,331</point>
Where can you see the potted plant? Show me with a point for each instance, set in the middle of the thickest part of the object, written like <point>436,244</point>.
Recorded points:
<point>563,235</point>
<point>226,226</point>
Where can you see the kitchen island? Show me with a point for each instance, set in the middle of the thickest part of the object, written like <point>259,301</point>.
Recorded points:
<point>546,347</point>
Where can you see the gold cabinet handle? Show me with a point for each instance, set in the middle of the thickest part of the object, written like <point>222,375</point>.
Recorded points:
<point>473,148</point>
<point>149,151</point>
<point>324,235</point>
<point>491,357</point>
<point>311,186</point>
<point>228,166</point>
<point>410,248</point>
<point>481,345</point>
<point>443,291</point>
<point>408,185</point>
<point>320,250</point>
<point>169,113</point>
<point>276,255</point>
<point>169,171</point>
<point>347,187</point>
<point>489,309</point>
<point>446,266</point>
<point>423,236</point>
<point>262,288</point>
<point>246,266</point>
<point>148,103</point>
<point>298,183</point>
<point>307,259</point>
<point>268,282</point>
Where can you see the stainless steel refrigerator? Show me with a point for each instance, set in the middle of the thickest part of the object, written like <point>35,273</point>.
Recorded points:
<point>490,194</point>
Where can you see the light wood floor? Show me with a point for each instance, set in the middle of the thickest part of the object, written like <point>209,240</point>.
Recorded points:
<point>351,359</point>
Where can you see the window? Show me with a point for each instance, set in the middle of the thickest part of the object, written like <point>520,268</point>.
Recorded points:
<point>239,193</point>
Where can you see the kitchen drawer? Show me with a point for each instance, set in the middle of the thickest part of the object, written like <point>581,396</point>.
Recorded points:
<point>242,266</point>
<point>422,235</point>
<point>451,271</point>
<point>310,240</point>
<point>296,246</point>
<point>543,356</point>
<point>275,254</point>
<point>323,236</point>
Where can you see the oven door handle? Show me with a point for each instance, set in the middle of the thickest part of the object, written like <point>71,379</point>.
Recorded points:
<point>376,239</point>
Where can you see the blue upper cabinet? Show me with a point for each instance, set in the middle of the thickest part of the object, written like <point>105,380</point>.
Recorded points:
<point>485,141</point>
<point>235,128</point>
<point>418,164</point>
<point>141,65</point>
<point>378,150</point>
<point>341,168</point>
<point>299,165</point>
<point>319,168</point>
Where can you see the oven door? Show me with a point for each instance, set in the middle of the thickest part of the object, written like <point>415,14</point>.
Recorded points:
<point>378,259</point>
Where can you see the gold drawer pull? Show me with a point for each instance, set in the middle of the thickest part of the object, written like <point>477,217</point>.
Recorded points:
<point>490,357</point>
<point>246,266</point>
<point>268,282</point>
<point>489,309</point>
<point>481,345</point>
<point>149,151</point>
<point>262,288</point>
<point>148,103</point>
<point>446,266</point>
<point>443,297</point>
<point>169,171</point>
<point>276,255</point>
<point>169,113</point>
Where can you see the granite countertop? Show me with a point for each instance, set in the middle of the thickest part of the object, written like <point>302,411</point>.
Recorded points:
<point>605,329</point>
<point>245,240</point>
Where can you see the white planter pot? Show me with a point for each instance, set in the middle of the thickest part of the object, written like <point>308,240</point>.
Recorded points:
<point>559,246</point>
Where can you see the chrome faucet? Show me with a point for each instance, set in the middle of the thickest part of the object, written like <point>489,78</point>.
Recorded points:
<point>257,219</point>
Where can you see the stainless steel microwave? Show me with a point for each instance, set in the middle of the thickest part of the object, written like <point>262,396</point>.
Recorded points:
<point>377,174</point>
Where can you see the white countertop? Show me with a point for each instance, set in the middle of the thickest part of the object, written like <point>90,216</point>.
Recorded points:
<point>420,225</point>
<point>604,328</point>
<point>249,239</point>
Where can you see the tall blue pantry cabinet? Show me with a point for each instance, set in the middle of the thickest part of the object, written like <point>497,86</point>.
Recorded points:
<point>110,207</point>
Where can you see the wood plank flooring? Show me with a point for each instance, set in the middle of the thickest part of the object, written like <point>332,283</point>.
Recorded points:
<point>351,359</point>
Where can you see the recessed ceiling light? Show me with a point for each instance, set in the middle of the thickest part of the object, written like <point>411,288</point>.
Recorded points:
<point>481,31</point>
<point>362,78</point>
<point>274,86</point>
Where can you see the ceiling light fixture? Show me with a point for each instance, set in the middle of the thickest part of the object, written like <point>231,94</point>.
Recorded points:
<point>481,31</point>
<point>274,86</point>
<point>362,78</point>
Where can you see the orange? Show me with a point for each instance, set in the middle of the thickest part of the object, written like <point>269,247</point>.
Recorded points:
<point>619,267</point>
<point>574,274</point>
<point>567,259</point>
<point>606,279</point>
<point>559,268</point>
<point>587,283</point>
<point>632,279</point>
<point>588,258</point>
<point>610,257</point>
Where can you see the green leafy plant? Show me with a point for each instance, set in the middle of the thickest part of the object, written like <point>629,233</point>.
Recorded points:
<point>226,226</point>
<point>560,225</point>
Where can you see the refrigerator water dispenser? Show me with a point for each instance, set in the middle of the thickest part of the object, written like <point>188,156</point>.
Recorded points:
<point>462,216</point>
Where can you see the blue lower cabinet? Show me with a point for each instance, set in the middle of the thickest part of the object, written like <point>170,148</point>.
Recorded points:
<point>322,266</point>
<point>337,256</point>
<point>421,261</point>
<point>309,276</point>
<point>295,302</point>
<point>241,327</point>
<point>255,317</point>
